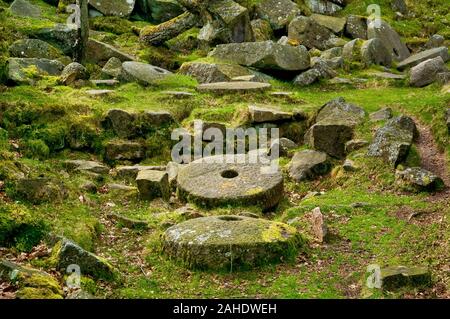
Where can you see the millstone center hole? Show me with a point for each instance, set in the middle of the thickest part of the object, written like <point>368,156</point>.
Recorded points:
<point>229,218</point>
<point>229,173</point>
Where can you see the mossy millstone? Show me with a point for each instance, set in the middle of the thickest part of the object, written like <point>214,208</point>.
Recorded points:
<point>212,183</point>
<point>225,242</point>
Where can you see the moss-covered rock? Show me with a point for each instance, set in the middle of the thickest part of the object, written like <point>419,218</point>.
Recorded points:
<point>230,242</point>
<point>34,48</point>
<point>28,70</point>
<point>395,277</point>
<point>41,189</point>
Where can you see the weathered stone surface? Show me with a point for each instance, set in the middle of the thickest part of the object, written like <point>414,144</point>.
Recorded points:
<point>388,75</point>
<point>230,242</point>
<point>339,109</point>
<point>284,145</point>
<point>395,277</point>
<point>426,72</point>
<point>120,8</point>
<point>381,115</point>
<point>86,166</point>
<point>142,73</point>
<point>103,92</point>
<point>389,37</point>
<point>232,87</point>
<point>320,70</point>
<point>122,122</point>
<point>41,189</point>
<point>112,68</point>
<point>331,53</point>
<point>323,6</point>
<point>352,50</point>
<point>99,52</point>
<point>155,119</point>
<point>128,222</point>
<point>330,136</point>
<point>23,70</point>
<point>124,150</point>
<point>335,24</point>
<point>443,78</point>
<point>278,13</point>
<point>172,173</point>
<point>158,34</point>
<point>420,57</point>
<point>261,29</point>
<point>393,141</point>
<point>354,145</point>
<point>129,173</point>
<point>229,180</point>
<point>308,164</point>
<point>356,27</point>
<point>153,184</point>
<point>25,9</point>
<point>34,48</point>
<point>435,41</point>
<point>73,72</point>
<point>205,72</point>
<point>67,253</point>
<point>262,114</point>
<point>373,51</point>
<point>163,10</point>
<point>264,55</point>
<point>309,33</point>
<point>62,35</point>
<point>420,178</point>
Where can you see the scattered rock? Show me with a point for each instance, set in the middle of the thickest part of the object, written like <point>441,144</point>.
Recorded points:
<point>235,86</point>
<point>41,189</point>
<point>261,30</point>
<point>331,53</point>
<point>309,33</point>
<point>122,123</point>
<point>381,115</point>
<point>263,114</point>
<point>318,227</point>
<point>339,109</point>
<point>426,72</point>
<point>354,145</point>
<point>278,12</point>
<point>229,180</point>
<point>128,222</point>
<point>323,6</point>
<point>142,73</point>
<point>172,174</point>
<point>155,119</point>
<point>34,48</point>
<point>420,178</point>
<point>352,50</point>
<point>423,56</point>
<point>25,9</point>
<point>320,70</point>
<point>153,184</point>
<point>284,145</point>
<point>99,52</point>
<point>264,55</point>
<point>230,242</point>
<point>373,51</point>
<point>105,82</point>
<point>124,150</point>
<point>393,141</point>
<point>349,166</point>
<point>112,68</point>
<point>86,166</point>
<point>388,75</point>
<point>356,27</point>
<point>120,8</point>
<point>73,72</point>
<point>435,41</point>
<point>62,35</point>
<point>389,37</point>
<point>308,164</point>
<point>395,277</point>
<point>27,70</point>
<point>335,24</point>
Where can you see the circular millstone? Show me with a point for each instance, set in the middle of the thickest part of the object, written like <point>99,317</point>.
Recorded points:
<point>234,86</point>
<point>210,183</point>
<point>222,242</point>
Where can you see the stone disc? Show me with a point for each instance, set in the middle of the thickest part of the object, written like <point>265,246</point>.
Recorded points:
<point>234,86</point>
<point>209,183</point>
<point>222,242</point>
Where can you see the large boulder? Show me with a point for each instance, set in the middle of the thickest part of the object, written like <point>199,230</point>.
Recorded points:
<point>373,51</point>
<point>120,8</point>
<point>308,164</point>
<point>122,123</point>
<point>321,69</point>
<point>340,110</point>
<point>26,70</point>
<point>396,277</point>
<point>419,178</point>
<point>308,32</point>
<point>86,166</point>
<point>72,73</point>
<point>393,141</point>
<point>163,10</point>
<point>25,9</point>
<point>264,55</point>
<point>335,24</point>
<point>153,184</point>
<point>324,6</point>
<point>420,57</point>
<point>262,31</point>
<point>124,150</point>
<point>356,27</point>
<point>266,114</point>
<point>378,28</point>
<point>40,190</point>
<point>352,50</point>
<point>426,72</point>
<point>62,35</point>
<point>142,73</point>
<point>112,68</point>
<point>278,12</point>
<point>99,52</point>
<point>34,48</point>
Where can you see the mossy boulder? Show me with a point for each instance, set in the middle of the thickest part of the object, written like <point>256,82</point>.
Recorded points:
<point>395,277</point>
<point>41,189</point>
<point>378,28</point>
<point>352,50</point>
<point>34,48</point>
<point>153,184</point>
<point>373,51</point>
<point>29,70</point>
<point>308,164</point>
<point>142,73</point>
<point>24,8</point>
<point>99,52</point>
<point>119,8</point>
<point>61,35</point>
<point>262,31</point>
<point>335,24</point>
<point>306,31</point>
<point>163,10</point>
<point>124,150</point>
<point>419,178</point>
<point>73,72</point>
<point>356,27</point>
<point>277,13</point>
<point>230,242</point>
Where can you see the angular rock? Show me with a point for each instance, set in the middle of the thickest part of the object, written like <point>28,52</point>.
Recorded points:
<point>112,68</point>
<point>232,87</point>
<point>318,226</point>
<point>124,150</point>
<point>339,109</point>
<point>335,24</point>
<point>352,50</point>
<point>354,145</point>
<point>62,35</point>
<point>34,48</point>
<point>388,75</point>
<point>330,137</point>
<point>320,70</point>
<point>25,9</point>
<point>389,37</point>
<point>393,141</point>
<point>264,55</point>
<point>128,222</point>
<point>331,53</point>
<point>426,72</point>
<point>155,119</point>
<point>263,114</point>
<point>356,27</point>
<point>395,277</point>
<point>119,8</point>
<point>308,32</point>
<point>323,6</point>
<point>284,145</point>
<point>142,73</point>
<point>163,10</point>
<point>381,115</point>
<point>129,173</point>
<point>420,57</point>
<point>420,178</point>
<point>172,174</point>
<point>87,166</point>
<point>278,12</point>
<point>435,41</point>
<point>67,253</point>
<point>261,29</point>
<point>373,51</point>
<point>40,190</point>
<point>122,123</point>
<point>99,52</point>
<point>230,242</point>
<point>18,69</point>
<point>229,180</point>
<point>153,184</point>
<point>73,72</point>
<point>308,164</point>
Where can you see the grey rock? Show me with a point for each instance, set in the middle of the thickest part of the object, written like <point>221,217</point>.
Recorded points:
<point>426,72</point>
<point>128,222</point>
<point>309,33</point>
<point>62,35</point>
<point>323,6</point>
<point>122,122</point>
<point>307,78</point>
<point>378,28</point>
<point>278,12</point>
<point>420,178</point>
<point>124,150</point>
<point>34,48</point>
<point>142,73</point>
<point>352,50</point>
<point>172,173</point>
<point>339,109</point>
<point>153,184</point>
<point>233,87</point>
<point>40,190</point>
<point>335,24</point>
<point>16,69</point>
<point>119,8</point>
<point>155,119</point>
<point>331,53</point>
<point>399,6</point>
<point>129,173</point>
<point>163,10</point>
<point>354,145</point>
<point>443,77</point>
<point>420,57</point>
<point>261,29</point>
<point>356,27</point>
<point>395,277</point>
<point>435,41</point>
<point>284,145</point>
<point>381,115</point>
<point>349,166</point>
<point>262,114</point>
<point>86,166</point>
<point>25,9</point>
<point>73,72</point>
<point>373,51</point>
<point>308,164</point>
<point>112,68</point>
<point>99,52</point>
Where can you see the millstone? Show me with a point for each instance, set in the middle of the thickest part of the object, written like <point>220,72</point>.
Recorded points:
<point>235,86</point>
<point>213,184</point>
<point>224,242</point>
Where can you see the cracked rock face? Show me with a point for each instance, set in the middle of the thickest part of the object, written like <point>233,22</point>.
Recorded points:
<point>229,242</point>
<point>120,8</point>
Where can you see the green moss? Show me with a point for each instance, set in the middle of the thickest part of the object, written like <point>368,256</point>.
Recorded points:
<point>36,149</point>
<point>111,24</point>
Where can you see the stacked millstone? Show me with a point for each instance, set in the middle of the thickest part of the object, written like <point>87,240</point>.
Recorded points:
<point>230,242</point>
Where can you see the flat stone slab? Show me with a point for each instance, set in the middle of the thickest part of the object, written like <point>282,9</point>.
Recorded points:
<point>228,242</point>
<point>235,86</point>
<point>99,92</point>
<point>178,94</point>
<point>389,76</point>
<point>420,57</point>
<point>212,184</point>
<point>105,82</point>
